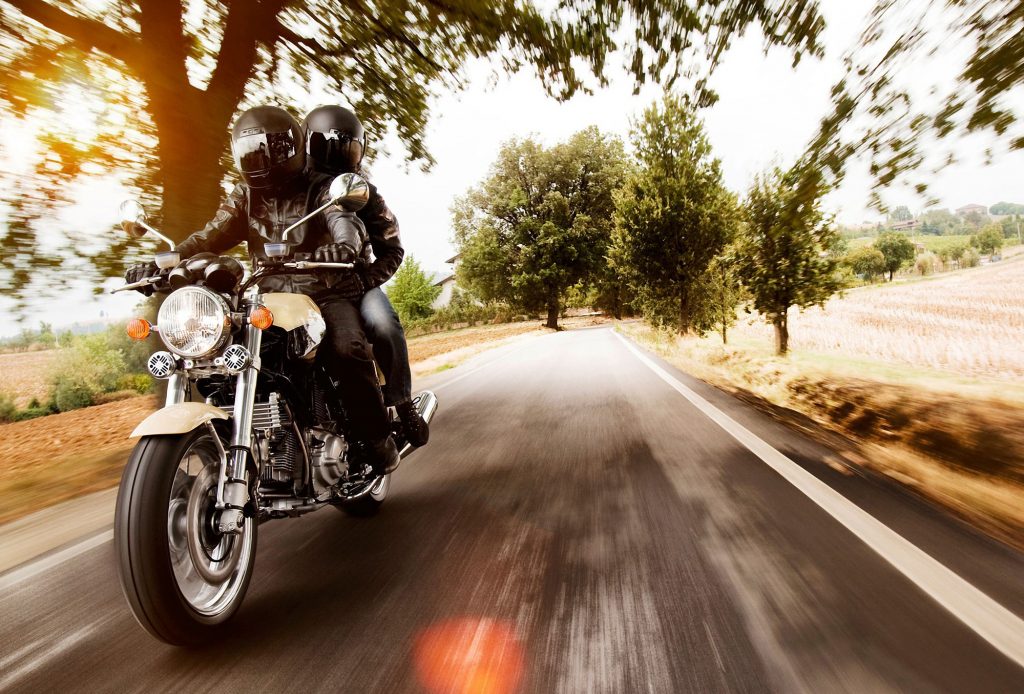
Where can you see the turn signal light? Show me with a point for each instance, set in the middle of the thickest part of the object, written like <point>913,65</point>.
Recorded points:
<point>261,318</point>
<point>138,328</point>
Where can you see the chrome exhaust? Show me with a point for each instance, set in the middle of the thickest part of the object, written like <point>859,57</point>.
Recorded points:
<point>427,406</point>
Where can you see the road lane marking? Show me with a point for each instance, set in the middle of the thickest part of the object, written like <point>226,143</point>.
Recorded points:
<point>55,649</point>
<point>991,621</point>
<point>27,571</point>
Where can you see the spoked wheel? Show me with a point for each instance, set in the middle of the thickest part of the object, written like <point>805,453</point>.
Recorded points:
<point>183,579</point>
<point>370,503</point>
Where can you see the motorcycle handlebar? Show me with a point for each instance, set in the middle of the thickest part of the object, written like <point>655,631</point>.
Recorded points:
<point>290,265</point>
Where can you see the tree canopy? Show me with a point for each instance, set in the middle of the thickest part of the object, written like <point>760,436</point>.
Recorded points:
<point>674,215</point>
<point>411,291</point>
<point>897,250</point>
<point>541,221</point>
<point>144,90</point>
<point>785,248</point>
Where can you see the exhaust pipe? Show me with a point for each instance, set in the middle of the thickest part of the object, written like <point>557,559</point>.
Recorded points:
<point>427,406</point>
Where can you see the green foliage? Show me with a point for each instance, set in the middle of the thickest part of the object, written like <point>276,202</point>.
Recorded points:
<point>723,291</point>
<point>927,263</point>
<point>540,222</point>
<point>464,310</point>
<point>168,81</point>
<point>1005,208</point>
<point>785,250</point>
<point>988,240</point>
<point>897,249</point>
<point>411,291</point>
<point>941,222</point>
<point>8,410</point>
<point>140,383</point>
<point>86,369</point>
<point>900,214</point>
<point>867,262</point>
<point>970,258</point>
<point>674,215</point>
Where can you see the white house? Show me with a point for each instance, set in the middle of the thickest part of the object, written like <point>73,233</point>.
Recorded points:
<point>446,281</point>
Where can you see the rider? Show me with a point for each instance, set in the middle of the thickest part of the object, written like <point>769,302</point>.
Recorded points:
<point>335,142</point>
<point>277,190</point>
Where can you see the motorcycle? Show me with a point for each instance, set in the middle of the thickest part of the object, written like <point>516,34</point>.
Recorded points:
<point>251,431</point>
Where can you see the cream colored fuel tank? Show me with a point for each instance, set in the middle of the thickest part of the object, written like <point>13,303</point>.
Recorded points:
<point>294,312</point>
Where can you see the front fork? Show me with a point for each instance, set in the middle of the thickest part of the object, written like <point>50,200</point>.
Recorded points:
<point>232,484</point>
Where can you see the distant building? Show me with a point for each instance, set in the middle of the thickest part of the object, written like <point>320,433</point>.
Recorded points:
<point>906,226</point>
<point>968,209</point>
<point>446,281</point>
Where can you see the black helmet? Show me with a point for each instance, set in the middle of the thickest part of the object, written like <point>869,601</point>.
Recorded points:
<point>268,148</point>
<point>334,140</point>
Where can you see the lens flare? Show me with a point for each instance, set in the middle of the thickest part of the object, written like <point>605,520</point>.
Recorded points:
<point>469,656</point>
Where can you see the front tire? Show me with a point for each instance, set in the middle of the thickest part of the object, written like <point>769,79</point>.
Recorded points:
<point>158,544</point>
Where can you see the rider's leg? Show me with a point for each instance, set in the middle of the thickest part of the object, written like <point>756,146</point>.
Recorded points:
<point>347,359</point>
<point>389,347</point>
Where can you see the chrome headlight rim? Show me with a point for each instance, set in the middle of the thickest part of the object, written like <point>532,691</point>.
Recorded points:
<point>222,323</point>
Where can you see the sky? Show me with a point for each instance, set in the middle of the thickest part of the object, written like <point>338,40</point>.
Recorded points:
<point>766,113</point>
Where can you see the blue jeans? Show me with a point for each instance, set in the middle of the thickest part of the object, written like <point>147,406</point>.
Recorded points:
<point>385,333</point>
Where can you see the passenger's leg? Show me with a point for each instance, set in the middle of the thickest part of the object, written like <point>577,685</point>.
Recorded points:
<point>347,359</point>
<point>389,347</point>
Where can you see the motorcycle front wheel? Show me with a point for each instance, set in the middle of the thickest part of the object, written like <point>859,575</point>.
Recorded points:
<point>183,579</point>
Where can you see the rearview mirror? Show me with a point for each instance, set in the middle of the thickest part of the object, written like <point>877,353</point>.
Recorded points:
<point>133,218</point>
<point>350,191</point>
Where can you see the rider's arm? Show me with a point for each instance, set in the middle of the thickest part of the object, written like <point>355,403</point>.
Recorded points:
<point>382,228</point>
<point>342,227</point>
<point>225,231</point>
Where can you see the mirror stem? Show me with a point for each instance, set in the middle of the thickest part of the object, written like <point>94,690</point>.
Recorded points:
<point>156,233</point>
<point>284,234</point>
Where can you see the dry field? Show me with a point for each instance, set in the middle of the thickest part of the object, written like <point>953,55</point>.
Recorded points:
<point>969,323</point>
<point>26,375</point>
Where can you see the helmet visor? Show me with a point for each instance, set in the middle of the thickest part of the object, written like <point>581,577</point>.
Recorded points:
<point>335,151</point>
<point>258,154</point>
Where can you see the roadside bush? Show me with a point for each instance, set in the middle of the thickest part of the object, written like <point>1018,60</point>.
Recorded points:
<point>8,410</point>
<point>86,369</point>
<point>927,264</point>
<point>971,258</point>
<point>135,382</point>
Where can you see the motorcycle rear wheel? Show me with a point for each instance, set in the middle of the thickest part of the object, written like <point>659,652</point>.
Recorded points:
<point>158,545</point>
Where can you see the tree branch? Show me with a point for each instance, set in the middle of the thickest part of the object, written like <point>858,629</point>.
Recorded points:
<point>86,33</point>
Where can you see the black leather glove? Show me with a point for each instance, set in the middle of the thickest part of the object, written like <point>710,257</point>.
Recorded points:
<point>335,253</point>
<point>348,285</point>
<point>141,271</point>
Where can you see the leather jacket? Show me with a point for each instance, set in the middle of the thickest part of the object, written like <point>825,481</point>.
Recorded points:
<point>382,228</point>
<point>256,217</point>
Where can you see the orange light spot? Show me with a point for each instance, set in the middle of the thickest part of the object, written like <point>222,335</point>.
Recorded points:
<point>261,318</point>
<point>138,328</point>
<point>469,656</point>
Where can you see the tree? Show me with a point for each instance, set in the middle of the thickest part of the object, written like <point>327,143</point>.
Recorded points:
<point>898,115</point>
<point>674,215</point>
<point>724,291</point>
<point>868,262</point>
<point>900,214</point>
<point>1006,208</point>
<point>541,221</point>
<point>162,82</point>
<point>411,291</point>
<point>897,249</point>
<point>988,240</point>
<point>941,221</point>
<point>784,249</point>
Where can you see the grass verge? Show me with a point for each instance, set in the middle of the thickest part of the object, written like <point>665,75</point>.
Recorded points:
<point>957,442</point>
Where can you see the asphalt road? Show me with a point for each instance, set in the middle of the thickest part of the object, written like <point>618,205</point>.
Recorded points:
<point>576,525</point>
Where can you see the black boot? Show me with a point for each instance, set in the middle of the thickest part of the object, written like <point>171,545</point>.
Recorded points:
<point>381,455</point>
<point>416,429</point>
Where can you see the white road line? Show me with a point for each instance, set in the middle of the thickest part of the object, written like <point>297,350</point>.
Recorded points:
<point>27,571</point>
<point>991,621</point>
<point>55,649</point>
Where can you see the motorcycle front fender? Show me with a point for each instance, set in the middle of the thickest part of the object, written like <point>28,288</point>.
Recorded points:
<point>178,419</point>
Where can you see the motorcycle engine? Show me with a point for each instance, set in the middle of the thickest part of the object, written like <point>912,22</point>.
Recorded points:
<point>277,443</point>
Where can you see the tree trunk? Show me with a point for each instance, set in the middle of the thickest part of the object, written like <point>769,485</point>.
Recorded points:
<point>725,337</point>
<point>781,323</point>
<point>684,315</point>
<point>191,183</point>
<point>552,317</point>
<point>890,275</point>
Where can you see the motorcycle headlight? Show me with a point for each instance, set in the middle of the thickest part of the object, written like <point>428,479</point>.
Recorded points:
<point>194,321</point>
